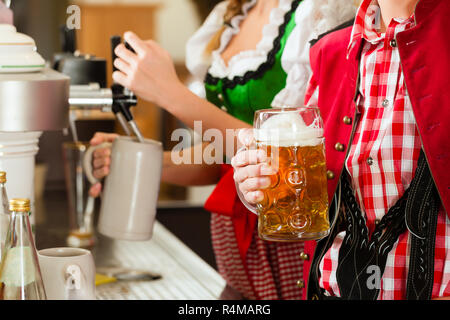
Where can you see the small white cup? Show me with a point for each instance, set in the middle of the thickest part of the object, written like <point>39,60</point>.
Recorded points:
<point>68,273</point>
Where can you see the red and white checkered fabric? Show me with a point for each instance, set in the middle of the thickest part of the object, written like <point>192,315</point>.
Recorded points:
<point>384,153</point>
<point>272,269</point>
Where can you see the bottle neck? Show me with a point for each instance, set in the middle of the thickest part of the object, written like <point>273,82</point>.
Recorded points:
<point>20,229</point>
<point>3,200</point>
<point>21,213</point>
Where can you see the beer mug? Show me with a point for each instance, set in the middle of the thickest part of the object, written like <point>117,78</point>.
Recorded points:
<point>130,196</point>
<point>295,205</point>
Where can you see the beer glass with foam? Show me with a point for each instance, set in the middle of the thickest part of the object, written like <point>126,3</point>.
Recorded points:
<point>295,206</point>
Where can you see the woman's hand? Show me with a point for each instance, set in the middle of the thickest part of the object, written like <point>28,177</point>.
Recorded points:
<point>149,73</point>
<point>101,160</point>
<point>252,169</point>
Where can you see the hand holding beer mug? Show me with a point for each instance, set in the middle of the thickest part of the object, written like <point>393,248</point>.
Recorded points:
<point>294,206</point>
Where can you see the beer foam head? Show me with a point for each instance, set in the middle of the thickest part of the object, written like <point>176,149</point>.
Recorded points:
<point>288,129</point>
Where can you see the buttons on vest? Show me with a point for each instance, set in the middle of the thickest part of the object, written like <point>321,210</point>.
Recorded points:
<point>330,175</point>
<point>304,256</point>
<point>347,120</point>
<point>385,103</point>
<point>393,43</point>
<point>221,99</point>
<point>301,284</point>
<point>370,161</point>
<point>339,147</point>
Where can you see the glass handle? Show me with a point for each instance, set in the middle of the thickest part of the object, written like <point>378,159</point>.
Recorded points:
<point>250,207</point>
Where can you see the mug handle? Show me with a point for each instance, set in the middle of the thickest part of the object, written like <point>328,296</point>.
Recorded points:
<point>87,161</point>
<point>77,285</point>
<point>250,207</point>
<point>73,277</point>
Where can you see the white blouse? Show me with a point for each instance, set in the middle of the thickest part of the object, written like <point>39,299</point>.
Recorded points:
<point>312,17</point>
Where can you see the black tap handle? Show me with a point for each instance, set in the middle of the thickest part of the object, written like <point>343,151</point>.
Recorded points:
<point>127,45</point>
<point>68,39</point>
<point>123,99</point>
<point>116,88</point>
<point>115,41</point>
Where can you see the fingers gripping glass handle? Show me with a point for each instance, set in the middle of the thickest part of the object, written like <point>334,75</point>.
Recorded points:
<point>87,161</point>
<point>250,207</point>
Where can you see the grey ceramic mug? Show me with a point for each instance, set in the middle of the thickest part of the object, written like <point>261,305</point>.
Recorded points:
<point>130,195</point>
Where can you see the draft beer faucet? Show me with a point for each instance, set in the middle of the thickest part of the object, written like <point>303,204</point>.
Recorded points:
<point>123,99</point>
<point>117,99</point>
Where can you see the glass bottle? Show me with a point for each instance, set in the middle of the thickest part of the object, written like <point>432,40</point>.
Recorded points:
<point>4,212</point>
<point>20,275</point>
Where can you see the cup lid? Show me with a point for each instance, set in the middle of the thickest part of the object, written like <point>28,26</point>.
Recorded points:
<point>18,52</point>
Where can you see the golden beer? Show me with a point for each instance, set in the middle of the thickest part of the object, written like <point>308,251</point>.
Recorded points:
<point>295,206</point>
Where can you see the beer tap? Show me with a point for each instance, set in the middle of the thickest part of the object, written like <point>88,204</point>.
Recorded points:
<point>117,99</point>
<point>124,99</point>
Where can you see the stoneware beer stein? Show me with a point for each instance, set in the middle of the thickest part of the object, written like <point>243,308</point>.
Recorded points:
<point>295,206</point>
<point>68,273</point>
<point>130,196</point>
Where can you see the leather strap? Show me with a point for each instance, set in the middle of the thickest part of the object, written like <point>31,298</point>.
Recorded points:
<point>417,210</point>
<point>421,216</point>
<point>358,254</point>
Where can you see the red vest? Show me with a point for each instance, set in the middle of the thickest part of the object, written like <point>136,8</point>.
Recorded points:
<point>425,57</point>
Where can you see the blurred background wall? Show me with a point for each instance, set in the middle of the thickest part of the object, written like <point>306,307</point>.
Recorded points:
<point>176,20</point>
<point>170,22</point>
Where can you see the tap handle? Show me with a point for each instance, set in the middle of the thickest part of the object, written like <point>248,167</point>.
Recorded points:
<point>115,41</point>
<point>68,39</point>
<point>127,45</point>
<point>123,99</point>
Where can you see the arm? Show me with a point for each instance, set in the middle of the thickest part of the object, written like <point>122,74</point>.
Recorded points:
<point>189,174</point>
<point>179,174</point>
<point>150,74</point>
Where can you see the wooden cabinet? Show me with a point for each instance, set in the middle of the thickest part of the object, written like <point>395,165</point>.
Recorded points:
<point>98,24</point>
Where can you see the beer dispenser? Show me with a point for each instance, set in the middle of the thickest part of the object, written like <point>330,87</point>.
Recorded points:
<point>88,96</point>
<point>117,99</point>
<point>33,99</point>
<point>36,98</point>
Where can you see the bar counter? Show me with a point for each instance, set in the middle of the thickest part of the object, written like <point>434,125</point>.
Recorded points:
<point>185,276</point>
